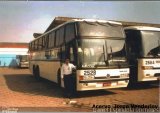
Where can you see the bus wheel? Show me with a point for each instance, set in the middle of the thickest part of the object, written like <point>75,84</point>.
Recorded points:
<point>37,74</point>
<point>34,70</point>
<point>59,77</point>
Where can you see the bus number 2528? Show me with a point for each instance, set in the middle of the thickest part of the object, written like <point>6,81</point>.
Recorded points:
<point>90,72</point>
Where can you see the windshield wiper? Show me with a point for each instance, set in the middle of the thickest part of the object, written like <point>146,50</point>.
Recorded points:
<point>118,63</point>
<point>111,53</point>
<point>105,54</point>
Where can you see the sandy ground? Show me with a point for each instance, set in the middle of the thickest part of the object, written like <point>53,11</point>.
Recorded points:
<point>20,91</point>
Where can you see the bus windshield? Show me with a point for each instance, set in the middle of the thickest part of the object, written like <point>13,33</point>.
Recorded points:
<point>23,58</point>
<point>150,43</point>
<point>90,29</point>
<point>101,52</point>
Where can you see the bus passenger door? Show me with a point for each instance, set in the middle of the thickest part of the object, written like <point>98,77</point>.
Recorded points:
<point>71,53</point>
<point>132,46</point>
<point>62,56</point>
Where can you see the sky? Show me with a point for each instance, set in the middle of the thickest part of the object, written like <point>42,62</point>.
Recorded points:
<point>20,19</point>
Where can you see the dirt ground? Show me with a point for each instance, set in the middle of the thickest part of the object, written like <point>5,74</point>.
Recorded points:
<point>20,91</point>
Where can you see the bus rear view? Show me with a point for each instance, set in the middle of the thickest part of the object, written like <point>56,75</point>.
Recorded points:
<point>143,46</point>
<point>23,61</point>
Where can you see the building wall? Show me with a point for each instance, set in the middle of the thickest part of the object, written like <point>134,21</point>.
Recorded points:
<point>8,60</point>
<point>8,56</point>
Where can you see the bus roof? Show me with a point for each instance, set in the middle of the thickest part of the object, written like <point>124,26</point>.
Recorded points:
<point>142,28</point>
<point>79,20</point>
<point>97,20</point>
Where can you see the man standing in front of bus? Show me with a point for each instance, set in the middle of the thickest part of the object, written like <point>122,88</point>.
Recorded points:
<point>67,76</point>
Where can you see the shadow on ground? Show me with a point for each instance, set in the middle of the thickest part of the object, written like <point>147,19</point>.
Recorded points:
<point>94,93</point>
<point>26,83</point>
<point>142,85</point>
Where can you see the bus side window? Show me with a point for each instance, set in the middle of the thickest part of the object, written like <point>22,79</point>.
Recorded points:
<point>69,32</point>
<point>47,54</point>
<point>69,52</point>
<point>71,55</point>
<point>63,54</point>
<point>54,54</point>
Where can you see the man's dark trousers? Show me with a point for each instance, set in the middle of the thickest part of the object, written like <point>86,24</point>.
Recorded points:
<point>69,85</point>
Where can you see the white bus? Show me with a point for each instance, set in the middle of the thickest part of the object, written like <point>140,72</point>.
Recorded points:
<point>143,46</point>
<point>22,61</point>
<point>95,47</point>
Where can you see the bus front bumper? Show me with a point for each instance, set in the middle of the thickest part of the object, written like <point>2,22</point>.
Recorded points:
<point>102,84</point>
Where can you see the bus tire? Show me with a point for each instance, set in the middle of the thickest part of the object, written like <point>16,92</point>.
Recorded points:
<point>33,70</point>
<point>59,77</point>
<point>37,73</point>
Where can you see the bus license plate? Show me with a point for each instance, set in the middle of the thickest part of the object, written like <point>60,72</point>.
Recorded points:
<point>106,84</point>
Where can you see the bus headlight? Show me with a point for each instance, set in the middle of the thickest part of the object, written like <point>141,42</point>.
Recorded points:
<point>147,67</point>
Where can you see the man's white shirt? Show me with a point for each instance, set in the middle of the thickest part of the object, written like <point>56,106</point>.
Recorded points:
<point>66,69</point>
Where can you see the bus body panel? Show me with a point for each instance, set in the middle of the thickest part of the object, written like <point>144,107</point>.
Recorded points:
<point>148,68</point>
<point>102,79</point>
<point>47,69</point>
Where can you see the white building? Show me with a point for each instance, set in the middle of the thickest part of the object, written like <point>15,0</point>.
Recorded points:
<point>9,53</point>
